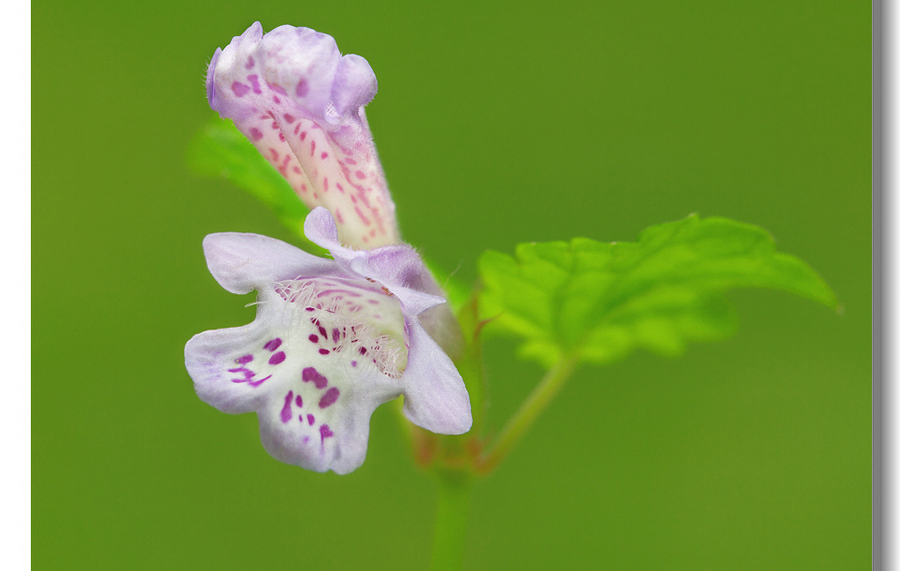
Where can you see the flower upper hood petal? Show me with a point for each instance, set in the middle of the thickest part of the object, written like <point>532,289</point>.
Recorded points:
<point>243,262</point>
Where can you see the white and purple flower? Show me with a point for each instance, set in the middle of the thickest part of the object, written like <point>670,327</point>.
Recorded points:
<point>332,340</point>
<point>301,104</point>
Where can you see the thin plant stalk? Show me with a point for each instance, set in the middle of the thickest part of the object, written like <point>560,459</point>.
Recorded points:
<point>451,521</point>
<point>516,427</point>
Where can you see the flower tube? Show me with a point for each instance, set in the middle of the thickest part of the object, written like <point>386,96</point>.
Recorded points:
<point>293,95</point>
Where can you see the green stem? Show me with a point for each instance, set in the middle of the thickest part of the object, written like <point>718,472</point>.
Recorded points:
<point>454,496</point>
<point>522,420</point>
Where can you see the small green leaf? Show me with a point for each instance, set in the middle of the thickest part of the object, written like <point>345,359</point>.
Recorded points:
<point>220,150</point>
<point>600,301</point>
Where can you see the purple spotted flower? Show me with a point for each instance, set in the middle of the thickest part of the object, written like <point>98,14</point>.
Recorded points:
<point>301,103</point>
<point>332,340</point>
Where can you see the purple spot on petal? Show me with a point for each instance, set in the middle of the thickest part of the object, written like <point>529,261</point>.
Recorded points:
<point>277,358</point>
<point>362,350</point>
<point>259,382</point>
<point>250,62</point>
<point>289,118</point>
<point>298,401</point>
<point>329,398</point>
<point>314,338</point>
<point>302,88</point>
<point>335,334</point>
<point>286,409</point>
<point>255,134</point>
<point>311,374</point>
<point>239,88</point>
<point>324,351</point>
<point>305,439</point>
<point>244,359</point>
<point>353,363</point>
<point>310,419</point>
<point>310,308</point>
<point>322,332</point>
<point>254,80</point>
<point>325,432</point>
<point>273,344</point>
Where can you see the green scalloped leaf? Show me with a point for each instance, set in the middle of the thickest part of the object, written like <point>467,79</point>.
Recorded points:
<point>219,150</point>
<point>600,301</point>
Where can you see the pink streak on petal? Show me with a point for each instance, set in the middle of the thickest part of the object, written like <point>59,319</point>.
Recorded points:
<point>286,409</point>
<point>325,432</point>
<point>329,398</point>
<point>277,89</point>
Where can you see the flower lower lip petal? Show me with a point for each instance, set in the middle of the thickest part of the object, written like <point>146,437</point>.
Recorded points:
<point>328,346</point>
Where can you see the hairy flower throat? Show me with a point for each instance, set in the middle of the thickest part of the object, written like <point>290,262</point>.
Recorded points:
<point>364,324</point>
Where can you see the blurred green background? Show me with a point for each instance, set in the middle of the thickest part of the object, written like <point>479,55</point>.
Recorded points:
<point>497,122</point>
